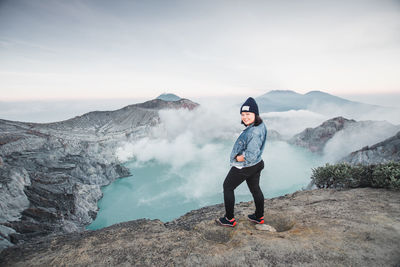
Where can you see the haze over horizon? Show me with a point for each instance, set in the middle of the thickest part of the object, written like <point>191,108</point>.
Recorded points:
<point>44,111</point>
<point>90,49</point>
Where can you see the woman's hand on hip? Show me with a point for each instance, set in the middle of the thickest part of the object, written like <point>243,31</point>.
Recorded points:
<point>240,158</point>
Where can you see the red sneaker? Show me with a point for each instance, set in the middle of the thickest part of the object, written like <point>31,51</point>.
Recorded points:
<point>253,218</point>
<point>225,222</point>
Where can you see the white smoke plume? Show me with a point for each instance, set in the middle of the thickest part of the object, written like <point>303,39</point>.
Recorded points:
<point>357,136</point>
<point>193,143</point>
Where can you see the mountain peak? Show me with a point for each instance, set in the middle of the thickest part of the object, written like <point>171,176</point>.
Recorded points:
<point>277,93</point>
<point>316,92</point>
<point>281,92</point>
<point>168,97</point>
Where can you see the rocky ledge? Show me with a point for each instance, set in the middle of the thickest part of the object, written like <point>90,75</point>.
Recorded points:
<point>355,227</point>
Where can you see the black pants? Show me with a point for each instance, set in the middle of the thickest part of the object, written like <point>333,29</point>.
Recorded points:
<point>237,176</point>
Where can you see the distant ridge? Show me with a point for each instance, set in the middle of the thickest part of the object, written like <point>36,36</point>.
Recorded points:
<point>285,100</point>
<point>121,120</point>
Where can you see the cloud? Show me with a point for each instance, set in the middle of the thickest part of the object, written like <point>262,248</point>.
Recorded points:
<point>184,136</point>
<point>177,152</point>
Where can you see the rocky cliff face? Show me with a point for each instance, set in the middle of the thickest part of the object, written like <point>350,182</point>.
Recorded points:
<point>382,152</point>
<point>51,173</point>
<point>325,227</point>
<point>315,138</point>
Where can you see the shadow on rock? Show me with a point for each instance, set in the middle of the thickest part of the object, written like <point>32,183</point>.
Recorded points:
<point>281,223</point>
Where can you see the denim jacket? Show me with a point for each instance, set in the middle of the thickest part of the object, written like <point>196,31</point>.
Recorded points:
<point>250,143</point>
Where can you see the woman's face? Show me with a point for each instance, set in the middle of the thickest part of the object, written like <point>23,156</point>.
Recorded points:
<point>248,117</point>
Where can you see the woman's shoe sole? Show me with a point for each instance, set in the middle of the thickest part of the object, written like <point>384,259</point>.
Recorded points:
<point>228,225</point>
<point>257,222</point>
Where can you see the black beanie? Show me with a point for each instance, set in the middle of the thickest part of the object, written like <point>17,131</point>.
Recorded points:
<point>249,106</point>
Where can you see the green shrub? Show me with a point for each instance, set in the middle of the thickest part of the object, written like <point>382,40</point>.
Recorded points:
<point>386,175</point>
<point>344,175</point>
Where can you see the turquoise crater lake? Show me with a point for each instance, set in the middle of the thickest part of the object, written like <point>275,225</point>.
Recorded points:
<point>159,191</point>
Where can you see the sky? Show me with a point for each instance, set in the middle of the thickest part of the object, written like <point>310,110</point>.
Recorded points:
<point>95,49</point>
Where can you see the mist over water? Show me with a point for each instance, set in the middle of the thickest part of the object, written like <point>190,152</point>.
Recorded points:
<point>160,190</point>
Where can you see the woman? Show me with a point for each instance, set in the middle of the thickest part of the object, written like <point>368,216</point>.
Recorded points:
<point>246,164</point>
